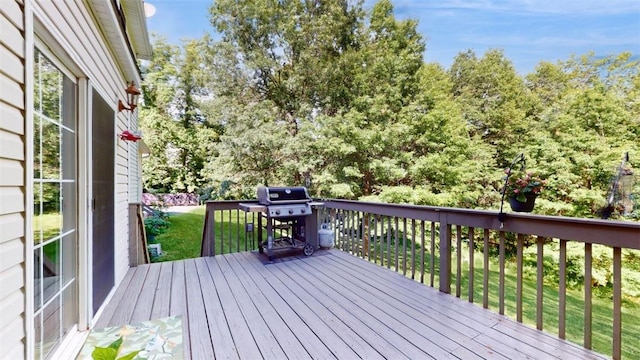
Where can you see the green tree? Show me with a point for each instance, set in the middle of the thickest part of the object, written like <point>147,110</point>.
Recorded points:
<point>177,131</point>
<point>494,99</point>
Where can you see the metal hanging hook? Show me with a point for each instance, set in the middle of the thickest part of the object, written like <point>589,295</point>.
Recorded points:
<point>523,165</point>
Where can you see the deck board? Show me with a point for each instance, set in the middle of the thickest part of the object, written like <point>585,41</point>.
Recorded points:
<point>286,338</point>
<point>327,306</point>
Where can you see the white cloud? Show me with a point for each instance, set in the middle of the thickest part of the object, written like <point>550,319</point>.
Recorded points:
<point>568,7</point>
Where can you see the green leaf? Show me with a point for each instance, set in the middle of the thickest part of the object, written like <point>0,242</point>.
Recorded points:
<point>104,353</point>
<point>116,344</point>
<point>130,355</point>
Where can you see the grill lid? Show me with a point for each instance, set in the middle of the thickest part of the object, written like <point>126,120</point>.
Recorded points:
<point>283,195</point>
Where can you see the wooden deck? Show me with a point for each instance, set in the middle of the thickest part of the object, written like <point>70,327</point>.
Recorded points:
<point>327,306</point>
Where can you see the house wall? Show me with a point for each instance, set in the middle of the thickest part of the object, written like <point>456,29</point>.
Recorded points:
<point>71,32</point>
<point>12,181</point>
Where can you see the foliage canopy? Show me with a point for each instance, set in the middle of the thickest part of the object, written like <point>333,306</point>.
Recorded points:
<point>325,92</point>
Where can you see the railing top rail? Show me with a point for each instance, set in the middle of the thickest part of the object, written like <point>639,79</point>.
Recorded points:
<point>226,204</point>
<point>606,232</point>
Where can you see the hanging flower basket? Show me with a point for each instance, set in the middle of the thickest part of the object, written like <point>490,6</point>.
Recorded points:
<point>523,206</point>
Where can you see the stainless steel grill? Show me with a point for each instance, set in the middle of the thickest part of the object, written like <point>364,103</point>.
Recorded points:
<point>290,220</point>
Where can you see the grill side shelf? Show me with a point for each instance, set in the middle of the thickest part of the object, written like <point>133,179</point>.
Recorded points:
<point>252,207</point>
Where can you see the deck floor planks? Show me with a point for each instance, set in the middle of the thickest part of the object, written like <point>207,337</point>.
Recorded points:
<point>406,333</point>
<point>409,311</point>
<point>265,338</point>
<point>531,335</point>
<point>242,337</point>
<point>178,303</point>
<point>295,305</point>
<point>111,308</point>
<point>291,342</point>
<point>448,321</point>
<point>328,306</point>
<point>162,298</point>
<point>362,324</point>
<point>223,345</point>
<point>501,329</point>
<point>201,345</point>
<point>454,308</point>
<point>498,345</point>
<point>142,309</point>
<point>128,302</point>
<point>432,325</point>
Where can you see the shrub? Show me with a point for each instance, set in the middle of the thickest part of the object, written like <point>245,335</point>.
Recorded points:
<point>155,224</point>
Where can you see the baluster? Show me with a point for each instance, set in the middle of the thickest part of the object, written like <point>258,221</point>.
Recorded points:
<point>422,246</point>
<point>562,290</point>
<point>485,274</point>
<point>413,248</point>
<point>458,260</point>
<point>471,263</point>
<point>519,250</point>
<point>587,296</point>
<point>433,255</point>
<point>501,283</point>
<point>540,283</point>
<point>617,303</point>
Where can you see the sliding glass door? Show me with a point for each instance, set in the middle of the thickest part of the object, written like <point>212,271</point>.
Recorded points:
<point>55,222</point>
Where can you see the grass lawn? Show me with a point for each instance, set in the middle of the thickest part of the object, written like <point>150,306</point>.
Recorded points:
<point>183,238</point>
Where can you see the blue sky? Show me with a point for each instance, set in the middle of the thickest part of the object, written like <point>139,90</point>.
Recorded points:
<point>527,30</point>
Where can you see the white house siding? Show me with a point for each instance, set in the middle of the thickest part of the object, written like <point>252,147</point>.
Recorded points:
<point>135,193</point>
<point>79,35</point>
<point>12,181</point>
<point>70,30</point>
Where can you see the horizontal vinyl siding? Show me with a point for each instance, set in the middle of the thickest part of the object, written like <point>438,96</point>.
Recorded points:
<point>12,335</point>
<point>11,92</point>
<point>11,172</point>
<point>12,177</point>
<point>11,256</point>
<point>11,119</point>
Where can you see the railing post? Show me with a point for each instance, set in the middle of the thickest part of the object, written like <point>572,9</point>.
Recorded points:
<point>445,255</point>
<point>138,253</point>
<point>208,234</point>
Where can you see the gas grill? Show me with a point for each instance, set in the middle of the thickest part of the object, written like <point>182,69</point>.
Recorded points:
<point>291,222</point>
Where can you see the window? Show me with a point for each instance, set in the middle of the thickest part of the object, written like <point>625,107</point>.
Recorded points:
<point>55,205</point>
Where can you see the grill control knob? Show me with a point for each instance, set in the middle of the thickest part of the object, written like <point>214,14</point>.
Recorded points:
<point>290,211</point>
<point>277,212</point>
<point>303,210</point>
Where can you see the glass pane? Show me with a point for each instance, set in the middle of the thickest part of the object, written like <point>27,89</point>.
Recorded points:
<point>68,200</point>
<point>37,213</point>
<point>37,277</point>
<point>69,308</point>
<point>50,150</point>
<point>69,260</point>
<point>68,155</point>
<point>50,89</point>
<point>51,326</point>
<point>51,270</point>
<point>36,81</point>
<point>69,103</point>
<point>37,324</point>
<point>37,153</point>
<point>52,216</point>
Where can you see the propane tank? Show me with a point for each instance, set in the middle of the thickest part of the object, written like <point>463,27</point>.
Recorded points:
<point>325,236</point>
